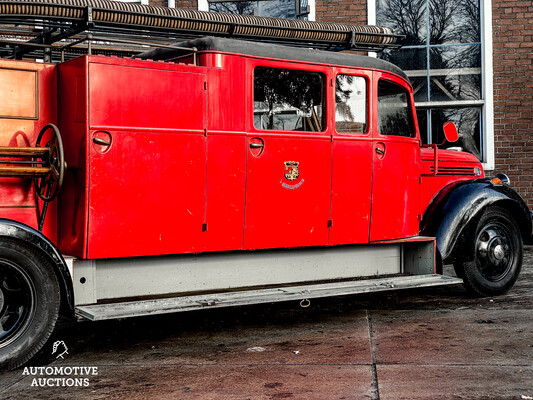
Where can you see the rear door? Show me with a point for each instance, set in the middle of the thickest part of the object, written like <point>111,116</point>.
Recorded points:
<point>147,185</point>
<point>288,179</point>
<point>396,161</point>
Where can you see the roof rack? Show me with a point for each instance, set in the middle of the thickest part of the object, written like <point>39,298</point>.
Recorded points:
<point>49,28</point>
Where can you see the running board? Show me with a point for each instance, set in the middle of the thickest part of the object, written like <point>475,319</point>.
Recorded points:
<point>236,298</point>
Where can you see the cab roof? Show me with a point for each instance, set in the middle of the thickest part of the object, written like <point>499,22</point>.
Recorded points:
<point>275,51</point>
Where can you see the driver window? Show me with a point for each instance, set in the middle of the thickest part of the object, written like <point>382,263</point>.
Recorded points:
<point>394,114</point>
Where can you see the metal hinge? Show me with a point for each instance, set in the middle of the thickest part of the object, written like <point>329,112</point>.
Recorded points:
<point>205,85</point>
<point>330,223</point>
<point>204,227</point>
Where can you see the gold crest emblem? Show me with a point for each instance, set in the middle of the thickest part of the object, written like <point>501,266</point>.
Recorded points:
<point>291,170</point>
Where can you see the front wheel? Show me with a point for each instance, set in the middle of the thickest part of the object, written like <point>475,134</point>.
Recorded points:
<point>497,254</point>
<point>29,303</point>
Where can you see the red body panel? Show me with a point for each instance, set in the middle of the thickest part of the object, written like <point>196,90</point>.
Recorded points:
<point>179,174</point>
<point>29,95</point>
<point>282,212</point>
<point>396,179</point>
<point>351,179</point>
<point>226,152</point>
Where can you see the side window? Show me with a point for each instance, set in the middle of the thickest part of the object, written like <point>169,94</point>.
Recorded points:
<point>288,99</point>
<point>394,114</point>
<point>350,104</point>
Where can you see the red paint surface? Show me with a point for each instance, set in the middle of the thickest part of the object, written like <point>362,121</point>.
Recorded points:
<point>180,176</point>
<point>17,195</point>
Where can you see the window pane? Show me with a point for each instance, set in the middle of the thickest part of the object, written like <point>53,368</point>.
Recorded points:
<point>422,117</point>
<point>350,104</point>
<point>467,121</point>
<point>234,7</point>
<point>455,73</point>
<point>287,99</point>
<point>406,17</point>
<point>268,8</point>
<point>414,63</point>
<point>394,116</point>
<point>454,21</point>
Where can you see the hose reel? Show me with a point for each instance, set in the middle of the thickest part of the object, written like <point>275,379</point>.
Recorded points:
<point>44,164</point>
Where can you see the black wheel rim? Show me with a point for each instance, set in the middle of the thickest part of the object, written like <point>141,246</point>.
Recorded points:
<point>495,251</point>
<point>17,302</point>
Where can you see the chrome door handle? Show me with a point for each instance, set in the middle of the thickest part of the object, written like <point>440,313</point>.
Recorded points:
<point>380,151</point>
<point>257,145</point>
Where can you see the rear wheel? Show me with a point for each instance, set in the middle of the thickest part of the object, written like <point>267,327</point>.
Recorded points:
<point>29,303</point>
<point>497,254</point>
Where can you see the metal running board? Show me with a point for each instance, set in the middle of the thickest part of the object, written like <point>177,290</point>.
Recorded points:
<point>187,303</point>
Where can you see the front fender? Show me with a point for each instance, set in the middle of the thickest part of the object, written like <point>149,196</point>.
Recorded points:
<point>453,214</point>
<point>39,242</point>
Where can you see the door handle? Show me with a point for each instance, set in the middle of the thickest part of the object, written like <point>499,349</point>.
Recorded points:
<point>257,145</point>
<point>380,151</point>
<point>102,142</point>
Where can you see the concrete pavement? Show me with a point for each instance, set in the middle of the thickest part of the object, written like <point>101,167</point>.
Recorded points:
<point>417,344</point>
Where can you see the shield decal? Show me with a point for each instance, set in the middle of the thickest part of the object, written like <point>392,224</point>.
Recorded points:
<point>291,170</point>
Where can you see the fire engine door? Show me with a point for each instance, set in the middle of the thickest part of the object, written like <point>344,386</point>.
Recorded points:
<point>351,175</point>
<point>288,179</point>
<point>396,161</point>
<point>147,161</point>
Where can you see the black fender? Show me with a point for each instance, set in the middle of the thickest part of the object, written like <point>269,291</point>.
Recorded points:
<point>35,239</point>
<point>454,212</point>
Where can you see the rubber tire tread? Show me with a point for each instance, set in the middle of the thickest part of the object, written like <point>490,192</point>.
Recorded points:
<point>474,282</point>
<point>47,303</point>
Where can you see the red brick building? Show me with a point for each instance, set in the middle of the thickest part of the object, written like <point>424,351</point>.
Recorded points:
<point>469,61</point>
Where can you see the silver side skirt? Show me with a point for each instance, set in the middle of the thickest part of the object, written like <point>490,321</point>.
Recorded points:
<point>249,297</point>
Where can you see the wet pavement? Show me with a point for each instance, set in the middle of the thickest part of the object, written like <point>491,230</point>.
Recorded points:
<point>417,344</point>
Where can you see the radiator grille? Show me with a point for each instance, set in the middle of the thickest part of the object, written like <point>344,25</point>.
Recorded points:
<point>454,170</point>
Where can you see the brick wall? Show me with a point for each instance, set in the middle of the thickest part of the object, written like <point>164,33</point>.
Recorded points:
<point>342,11</point>
<point>513,92</point>
<point>179,3</point>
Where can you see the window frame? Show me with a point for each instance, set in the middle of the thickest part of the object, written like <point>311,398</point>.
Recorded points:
<point>253,62</point>
<point>487,89</point>
<point>410,114</point>
<point>142,2</point>
<point>203,5</point>
<point>368,105</point>
<point>293,67</point>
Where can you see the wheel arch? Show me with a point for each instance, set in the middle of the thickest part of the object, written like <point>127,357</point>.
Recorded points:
<point>36,240</point>
<point>454,213</point>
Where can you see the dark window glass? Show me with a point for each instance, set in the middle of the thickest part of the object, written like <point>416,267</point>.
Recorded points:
<point>394,115</point>
<point>454,21</point>
<point>442,57</point>
<point>406,17</point>
<point>270,8</point>
<point>414,62</point>
<point>350,104</point>
<point>455,73</point>
<point>288,99</point>
<point>466,119</point>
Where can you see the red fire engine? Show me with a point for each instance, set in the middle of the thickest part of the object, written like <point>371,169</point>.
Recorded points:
<point>218,172</point>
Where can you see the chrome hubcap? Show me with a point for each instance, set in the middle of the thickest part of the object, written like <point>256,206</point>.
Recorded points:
<point>494,251</point>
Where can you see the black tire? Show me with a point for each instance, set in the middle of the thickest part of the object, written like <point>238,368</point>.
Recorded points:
<point>29,303</point>
<point>459,269</point>
<point>497,251</point>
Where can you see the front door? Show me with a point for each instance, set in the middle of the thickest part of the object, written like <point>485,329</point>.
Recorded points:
<point>288,179</point>
<point>396,161</point>
<point>352,158</point>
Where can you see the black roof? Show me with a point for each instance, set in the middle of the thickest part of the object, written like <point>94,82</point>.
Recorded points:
<point>281,52</point>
